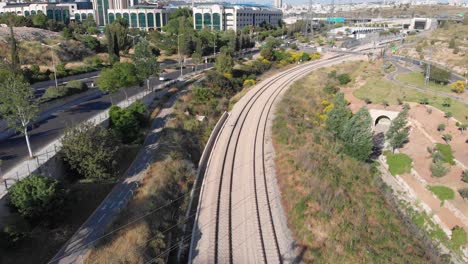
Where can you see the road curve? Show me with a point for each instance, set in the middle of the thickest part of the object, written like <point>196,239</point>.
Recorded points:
<point>239,217</point>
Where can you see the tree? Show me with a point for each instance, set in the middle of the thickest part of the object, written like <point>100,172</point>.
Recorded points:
<point>37,197</point>
<point>117,38</point>
<point>107,82</point>
<point>438,169</point>
<point>17,104</point>
<point>357,135</point>
<point>224,62</point>
<point>464,176</point>
<point>439,75</point>
<point>462,126</point>
<point>67,33</point>
<point>441,127</point>
<point>197,59</point>
<point>398,133</point>
<point>448,115</point>
<point>463,192</point>
<point>90,150</point>
<point>91,43</point>
<point>338,116</point>
<point>127,121</point>
<point>39,20</point>
<point>145,60</point>
<point>121,75</point>
<point>458,86</point>
<point>343,78</point>
<point>14,57</point>
<point>447,102</point>
<point>447,138</point>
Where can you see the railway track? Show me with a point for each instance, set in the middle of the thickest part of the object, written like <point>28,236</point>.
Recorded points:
<point>247,228</point>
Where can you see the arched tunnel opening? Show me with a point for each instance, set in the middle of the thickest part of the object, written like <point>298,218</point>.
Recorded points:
<point>382,124</point>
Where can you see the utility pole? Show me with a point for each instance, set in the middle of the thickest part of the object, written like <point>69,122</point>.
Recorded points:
<point>178,50</point>
<point>310,23</point>
<point>428,68</point>
<point>53,60</point>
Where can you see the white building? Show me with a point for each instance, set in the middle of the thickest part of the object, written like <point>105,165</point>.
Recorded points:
<point>225,17</point>
<point>63,12</point>
<point>279,3</point>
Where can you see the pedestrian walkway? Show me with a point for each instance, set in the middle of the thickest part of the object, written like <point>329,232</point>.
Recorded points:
<point>400,70</point>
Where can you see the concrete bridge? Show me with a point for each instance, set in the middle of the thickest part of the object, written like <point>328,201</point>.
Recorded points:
<point>381,119</point>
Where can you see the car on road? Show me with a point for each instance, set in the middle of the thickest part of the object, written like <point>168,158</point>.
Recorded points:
<point>163,78</point>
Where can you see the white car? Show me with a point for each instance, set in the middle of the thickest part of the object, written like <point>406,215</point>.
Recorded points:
<point>162,78</point>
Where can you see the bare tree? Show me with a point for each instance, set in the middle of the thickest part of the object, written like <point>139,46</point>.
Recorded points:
<point>17,105</point>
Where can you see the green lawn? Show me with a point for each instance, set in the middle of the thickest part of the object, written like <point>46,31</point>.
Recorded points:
<point>442,192</point>
<point>399,163</point>
<point>417,78</point>
<point>378,89</point>
<point>446,151</point>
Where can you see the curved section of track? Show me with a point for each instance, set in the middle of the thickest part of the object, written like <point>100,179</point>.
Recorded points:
<point>239,217</point>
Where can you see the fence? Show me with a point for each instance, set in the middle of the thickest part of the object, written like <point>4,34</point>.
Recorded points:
<point>31,166</point>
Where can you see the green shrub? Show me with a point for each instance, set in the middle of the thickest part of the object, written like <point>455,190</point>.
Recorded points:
<point>439,75</point>
<point>72,87</point>
<point>442,192</point>
<point>37,197</point>
<point>202,95</point>
<point>465,176</point>
<point>91,43</point>
<point>343,78</point>
<point>424,101</point>
<point>446,151</point>
<point>440,127</point>
<point>14,232</point>
<point>459,237</point>
<point>90,150</point>
<point>399,163</point>
<point>330,89</point>
<point>463,193</point>
<point>76,87</point>
<point>438,169</point>
<point>127,122</point>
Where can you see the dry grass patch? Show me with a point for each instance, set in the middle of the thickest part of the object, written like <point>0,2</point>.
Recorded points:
<point>334,207</point>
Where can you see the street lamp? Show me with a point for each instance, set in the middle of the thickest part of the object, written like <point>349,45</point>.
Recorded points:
<point>53,60</point>
<point>214,43</point>
<point>178,51</point>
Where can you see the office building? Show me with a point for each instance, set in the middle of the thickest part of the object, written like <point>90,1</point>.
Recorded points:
<point>225,17</point>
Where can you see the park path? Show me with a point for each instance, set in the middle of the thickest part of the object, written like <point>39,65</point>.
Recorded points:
<point>402,70</point>
<point>423,135</point>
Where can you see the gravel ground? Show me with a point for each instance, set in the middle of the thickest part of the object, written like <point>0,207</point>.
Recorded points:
<point>27,33</point>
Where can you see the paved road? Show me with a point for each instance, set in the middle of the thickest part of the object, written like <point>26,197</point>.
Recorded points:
<point>402,70</point>
<point>13,149</point>
<point>239,217</point>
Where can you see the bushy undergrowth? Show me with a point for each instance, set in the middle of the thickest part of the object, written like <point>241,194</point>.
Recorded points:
<point>72,87</point>
<point>334,207</point>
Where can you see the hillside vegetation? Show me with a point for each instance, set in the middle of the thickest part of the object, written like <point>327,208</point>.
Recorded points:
<point>445,46</point>
<point>333,203</point>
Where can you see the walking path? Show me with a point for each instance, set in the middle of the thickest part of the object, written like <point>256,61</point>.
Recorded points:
<point>401,70</point>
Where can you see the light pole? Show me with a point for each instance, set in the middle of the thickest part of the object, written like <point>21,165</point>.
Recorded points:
<point>53,60</point>
<point>214,44</point>
<point>178,51</point>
